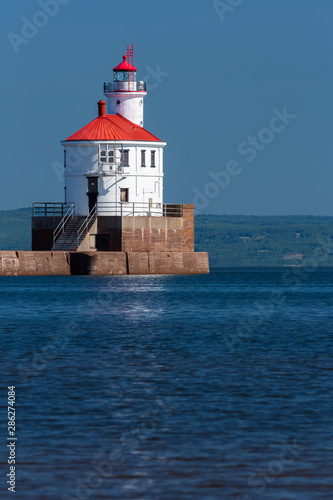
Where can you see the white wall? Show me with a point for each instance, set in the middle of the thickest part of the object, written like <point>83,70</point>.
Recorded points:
<point>127,104</point>
<point>144,183</point>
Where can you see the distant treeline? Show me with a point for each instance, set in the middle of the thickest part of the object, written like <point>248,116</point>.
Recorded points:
<point>236,240</point>
<point>230,240</point>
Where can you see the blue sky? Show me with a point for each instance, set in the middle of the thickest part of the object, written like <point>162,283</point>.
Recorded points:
<point>227,71</point>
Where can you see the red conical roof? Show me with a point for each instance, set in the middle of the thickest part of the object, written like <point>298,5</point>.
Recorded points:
<point>112,128</point>
<point>124,66</point>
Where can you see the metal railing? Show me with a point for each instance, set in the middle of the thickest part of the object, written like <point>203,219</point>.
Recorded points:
<point>89,219</point>
<point>130,209</point>
<point>61,226</point>
<point>172,210</point>
<point>114,86</point>
<point>114,168</point>
<point>134,209</point>
<point>50,209</point>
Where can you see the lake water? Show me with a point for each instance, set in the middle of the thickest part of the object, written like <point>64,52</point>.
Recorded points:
<point>170,387</point>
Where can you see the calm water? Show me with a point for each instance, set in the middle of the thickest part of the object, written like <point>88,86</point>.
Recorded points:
<point>191,387</point>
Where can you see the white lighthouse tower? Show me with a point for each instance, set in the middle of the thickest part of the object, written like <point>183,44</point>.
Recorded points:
<point>125,95</point>
<point>113,165</point>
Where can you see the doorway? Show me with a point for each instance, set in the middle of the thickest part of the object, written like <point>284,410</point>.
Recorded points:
<point>92,192</point>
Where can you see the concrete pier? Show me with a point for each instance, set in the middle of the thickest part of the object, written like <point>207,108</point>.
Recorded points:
<point>51,263</point>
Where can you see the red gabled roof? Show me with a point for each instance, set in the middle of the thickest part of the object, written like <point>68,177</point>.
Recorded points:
<point>112,128</point>
<point>124,66</point>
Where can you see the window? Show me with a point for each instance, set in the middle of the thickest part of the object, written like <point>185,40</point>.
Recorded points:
<point>124,76</point>
<point>124,194</point>
<point>109,154</point>
<point>102,156</point>
<point>106,155</point>
<point>143,157</point>
<point>152,159</point>
<point>125,157</point>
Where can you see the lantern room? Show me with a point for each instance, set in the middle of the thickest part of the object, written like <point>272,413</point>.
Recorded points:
<point>124,96</point>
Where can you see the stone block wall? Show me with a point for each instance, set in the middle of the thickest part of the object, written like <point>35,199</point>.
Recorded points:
<point>101,263</point>
<point>98,263</point>
<point>159,234</point>
<point>188,228</point>
<point>152,234</point>
<point>14,263</point>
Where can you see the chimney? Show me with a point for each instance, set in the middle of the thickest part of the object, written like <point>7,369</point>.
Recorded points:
<point>101,108</point>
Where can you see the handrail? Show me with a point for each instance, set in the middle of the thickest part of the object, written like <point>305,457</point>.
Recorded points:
<point>61,226</point>
<point>86,222</point>
<point>132,209</point>
<point>50,209</point>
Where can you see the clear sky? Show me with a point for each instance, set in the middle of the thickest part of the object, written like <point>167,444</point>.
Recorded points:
<point>240,90</point>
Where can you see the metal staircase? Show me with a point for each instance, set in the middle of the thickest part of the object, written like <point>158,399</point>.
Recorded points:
<point>67,239</point>
<point>72,230</point>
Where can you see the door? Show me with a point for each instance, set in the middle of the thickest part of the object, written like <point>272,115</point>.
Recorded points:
<point>92,192</point>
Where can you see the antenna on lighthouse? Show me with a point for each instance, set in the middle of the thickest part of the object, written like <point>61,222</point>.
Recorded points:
<point>131,73</point>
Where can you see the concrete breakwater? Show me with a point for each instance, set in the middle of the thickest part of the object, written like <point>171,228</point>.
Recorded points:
<point>48,263</point>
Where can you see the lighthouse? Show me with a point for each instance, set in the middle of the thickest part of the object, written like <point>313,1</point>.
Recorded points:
<point>114,219</point>
<point>113,162</point>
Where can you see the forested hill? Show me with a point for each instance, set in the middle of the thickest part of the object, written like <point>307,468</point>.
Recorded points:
<point>235,240</point>
<point>230,240</point>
